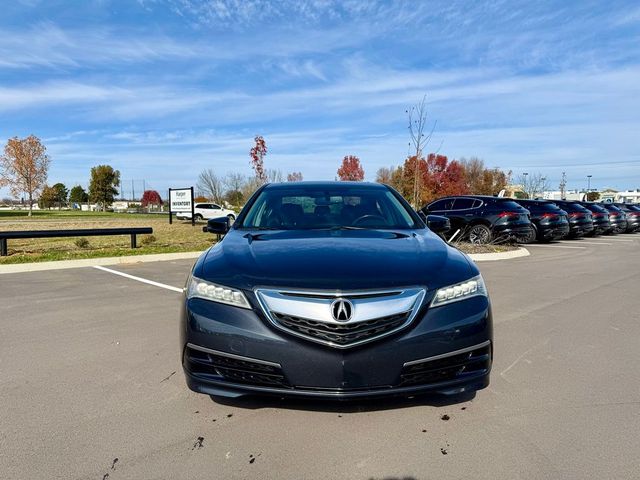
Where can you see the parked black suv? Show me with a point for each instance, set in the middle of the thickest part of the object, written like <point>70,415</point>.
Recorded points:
<point>580,218</point>
<point>600,217</point>
<point>617,217</point>
<point>633,216</point>
<point>482,219</point>
<point>549,221</point>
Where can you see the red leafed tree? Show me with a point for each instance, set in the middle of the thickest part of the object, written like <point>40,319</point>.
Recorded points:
<point>294,177</point>
<point>257,153</point>
<point>445,177</point>
<point>151,197</point>
<point>351,170</point>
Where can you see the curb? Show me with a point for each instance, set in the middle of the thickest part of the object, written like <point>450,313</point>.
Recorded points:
<point>489,257</point>
<point>92,262</point>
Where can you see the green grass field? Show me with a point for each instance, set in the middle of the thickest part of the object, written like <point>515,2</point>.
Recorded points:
<point>178,237</point>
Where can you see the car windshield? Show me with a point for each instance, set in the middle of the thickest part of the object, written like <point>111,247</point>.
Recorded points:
<point>333,207</point>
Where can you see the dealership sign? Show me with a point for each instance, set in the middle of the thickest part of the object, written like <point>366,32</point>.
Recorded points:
<point>181,200</point>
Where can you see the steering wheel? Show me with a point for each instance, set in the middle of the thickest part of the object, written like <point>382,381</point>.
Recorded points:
<point>375,219</point>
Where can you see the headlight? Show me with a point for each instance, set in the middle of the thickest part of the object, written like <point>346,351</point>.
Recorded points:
<point>198,288</point>
<point>460,291</point>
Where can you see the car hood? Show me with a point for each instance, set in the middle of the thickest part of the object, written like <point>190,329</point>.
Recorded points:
<point>333,260</point>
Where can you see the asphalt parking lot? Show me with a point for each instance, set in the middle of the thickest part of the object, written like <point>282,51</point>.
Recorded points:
<point>91,386</point>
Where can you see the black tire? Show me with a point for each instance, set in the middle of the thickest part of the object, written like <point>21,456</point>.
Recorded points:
<point>534,236</point>
<point>480,234</point>
<point>197,217</point>
<point>231,218</point>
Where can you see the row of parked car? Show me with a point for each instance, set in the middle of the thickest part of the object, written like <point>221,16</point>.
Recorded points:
<point>485,219</point>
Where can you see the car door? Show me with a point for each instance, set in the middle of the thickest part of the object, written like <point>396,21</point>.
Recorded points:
<point>439,207</point>
<point>462,212</point>
<point>214,211</point>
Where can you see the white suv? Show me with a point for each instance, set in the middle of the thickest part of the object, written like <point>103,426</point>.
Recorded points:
<point>205,211</point>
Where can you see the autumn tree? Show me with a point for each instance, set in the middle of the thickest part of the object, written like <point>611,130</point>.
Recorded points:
<point>384,175</point>
<point>48,197</point>
<point>294,177</point>
<point>24,167</point>
<point>103,185</point>
<point>350,169</point>
<point>257,154</point>
<point>78,195</point>
<point>593,196</point>
<point>481,180</point>
<point>437,177</point>
<point>210,185</point>
<point>151,197</point>
<point>444,177</point>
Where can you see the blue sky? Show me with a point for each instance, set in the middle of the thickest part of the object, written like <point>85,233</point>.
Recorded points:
<point>162,89</point>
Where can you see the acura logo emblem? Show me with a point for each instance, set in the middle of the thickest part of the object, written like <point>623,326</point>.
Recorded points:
<point>342,310</point>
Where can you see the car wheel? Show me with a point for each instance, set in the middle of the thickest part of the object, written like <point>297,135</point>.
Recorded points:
<point>231,218</point>
<point>197,217</point>
<point>480,234</point>
<point>532,236</point>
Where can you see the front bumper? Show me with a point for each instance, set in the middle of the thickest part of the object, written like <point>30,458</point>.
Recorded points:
<point>229,351</point>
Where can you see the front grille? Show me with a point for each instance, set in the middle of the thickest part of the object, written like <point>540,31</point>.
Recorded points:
<point>342,334</point>
<point>451,367</point>
<point>310,314</point>
<point>217,366</point>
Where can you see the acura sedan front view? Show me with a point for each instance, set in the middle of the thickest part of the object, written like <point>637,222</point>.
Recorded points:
<point>334,290</point>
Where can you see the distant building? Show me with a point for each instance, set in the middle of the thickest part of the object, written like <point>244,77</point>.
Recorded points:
<point>628,196</point>
<point>569,195</point>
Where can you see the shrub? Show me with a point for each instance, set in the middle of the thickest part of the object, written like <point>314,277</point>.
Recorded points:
<point>148,239</point>
<point>82,242</point>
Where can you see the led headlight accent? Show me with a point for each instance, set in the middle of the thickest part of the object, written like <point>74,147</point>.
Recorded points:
<point>198,288</point>
<point>460,291</point>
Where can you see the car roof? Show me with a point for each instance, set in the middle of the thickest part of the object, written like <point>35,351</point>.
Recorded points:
<point>479,197</point>
<point>329,184</point>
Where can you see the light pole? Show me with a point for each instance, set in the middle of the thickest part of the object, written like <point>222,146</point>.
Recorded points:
<point>526,190</point>
<point>589,183</point>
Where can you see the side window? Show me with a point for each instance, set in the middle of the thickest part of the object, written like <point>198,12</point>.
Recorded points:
<point>477,203</point>
<point>215,207</point>
<point>464,203</point>
<point>444,204</point>
<point>201,205</point>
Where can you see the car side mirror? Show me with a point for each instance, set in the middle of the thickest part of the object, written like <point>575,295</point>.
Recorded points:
<point>217,225</point>
<point>438,223</point>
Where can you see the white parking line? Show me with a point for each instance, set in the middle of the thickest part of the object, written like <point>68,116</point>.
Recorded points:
<point>553,246</point>
<point>615,240</point>
<point>581,242</point>
<point>139,279</point>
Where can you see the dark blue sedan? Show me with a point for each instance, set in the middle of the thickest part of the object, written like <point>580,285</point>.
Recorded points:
<point>334,290</point>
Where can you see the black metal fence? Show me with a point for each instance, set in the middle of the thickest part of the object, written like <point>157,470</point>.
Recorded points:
<point>84,232</point>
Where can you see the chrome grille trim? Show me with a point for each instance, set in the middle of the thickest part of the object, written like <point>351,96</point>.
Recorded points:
<point>232,355</point>
<point>315,306</point>
<point>448,354</point>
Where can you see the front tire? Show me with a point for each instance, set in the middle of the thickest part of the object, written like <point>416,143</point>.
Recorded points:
<point>480,234</point>
<point>198,217</point>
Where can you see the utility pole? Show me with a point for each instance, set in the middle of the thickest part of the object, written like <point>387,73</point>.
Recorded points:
<point>133,192</point>
<point>589,183</point>
<point>563,186</point>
